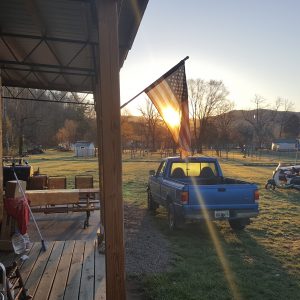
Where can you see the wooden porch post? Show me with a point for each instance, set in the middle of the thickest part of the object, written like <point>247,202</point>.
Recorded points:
<point>1,150</point>
<point>109,137</point>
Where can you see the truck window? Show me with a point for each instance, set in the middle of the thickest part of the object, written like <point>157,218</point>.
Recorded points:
<point>161,169</point>
<point>193,169</point>
<point>211,165</point>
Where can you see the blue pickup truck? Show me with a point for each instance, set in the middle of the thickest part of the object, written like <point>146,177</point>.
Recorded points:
<point>195,189</point>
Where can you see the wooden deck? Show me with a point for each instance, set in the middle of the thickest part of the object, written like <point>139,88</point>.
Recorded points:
<point>67,270</point>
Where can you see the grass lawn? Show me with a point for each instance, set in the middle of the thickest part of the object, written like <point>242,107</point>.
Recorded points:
<point>54,163</point>
<point>263,262</point>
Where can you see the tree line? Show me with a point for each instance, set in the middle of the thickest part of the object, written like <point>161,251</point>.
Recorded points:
<point>214,122</point>
<point>31,124</point>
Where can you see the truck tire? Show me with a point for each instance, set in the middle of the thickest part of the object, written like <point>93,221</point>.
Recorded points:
<point>172,218</point>
<point>237,224</point>
<point>152,206</point>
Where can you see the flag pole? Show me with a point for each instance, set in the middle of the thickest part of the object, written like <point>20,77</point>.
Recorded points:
<point>123,105</point>
<point>170,71</point>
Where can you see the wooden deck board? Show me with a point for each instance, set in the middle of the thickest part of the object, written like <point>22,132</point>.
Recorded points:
<point>88,273</point>
<point>73,284</point>
<point>59,285</point>
<point>35,276</point>
<point>44,288</point>
<point>67,270</point>
<point>29,263</point>
<point>100,284</point>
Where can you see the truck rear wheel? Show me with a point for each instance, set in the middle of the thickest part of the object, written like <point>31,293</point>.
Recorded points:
<point>238,224</point>
<point>152,206</point>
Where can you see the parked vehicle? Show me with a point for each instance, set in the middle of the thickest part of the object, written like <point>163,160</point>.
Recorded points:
<point>285,176</point>
<point>195,189</point>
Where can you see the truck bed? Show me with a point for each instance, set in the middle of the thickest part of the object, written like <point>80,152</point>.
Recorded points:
<point>208,181</point>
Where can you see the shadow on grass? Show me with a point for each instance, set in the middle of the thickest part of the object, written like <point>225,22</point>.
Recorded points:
<point>259,273</point>
<point>290,195</point>
<point>196,271</point>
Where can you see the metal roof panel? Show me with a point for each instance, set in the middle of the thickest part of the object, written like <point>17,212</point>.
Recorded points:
<point>50,44</point>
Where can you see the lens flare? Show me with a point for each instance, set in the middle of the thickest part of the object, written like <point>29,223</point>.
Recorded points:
<point>217,244</point>
<point>171,116</point>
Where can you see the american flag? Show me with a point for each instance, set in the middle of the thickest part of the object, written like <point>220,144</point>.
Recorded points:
<point>169,95</point>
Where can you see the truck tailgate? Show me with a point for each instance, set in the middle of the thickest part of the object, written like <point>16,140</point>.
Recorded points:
<point>222,195</point>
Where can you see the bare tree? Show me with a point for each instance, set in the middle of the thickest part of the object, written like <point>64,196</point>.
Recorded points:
<point>287,107</point>
<point>127,129</point>
<point>151,118</point>
<point>205,99</point>
<point>91,133</point>
<point>196,93</point>
<point>243,134</point>
<point>291,128</point>
<point>223,123</point>
<point>262,120</point>
<point>67,134</point>
<point>25,118</point>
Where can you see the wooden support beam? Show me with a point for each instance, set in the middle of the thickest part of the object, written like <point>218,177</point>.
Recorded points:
<point>7,223</point>
<point>100,158</point>
<point>108,118</point>
<point>1,151</point>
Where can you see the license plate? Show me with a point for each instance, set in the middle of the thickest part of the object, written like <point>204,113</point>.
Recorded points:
<point>221,214</point>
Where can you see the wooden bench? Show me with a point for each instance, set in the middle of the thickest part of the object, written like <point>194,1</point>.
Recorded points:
<point>64,201</point>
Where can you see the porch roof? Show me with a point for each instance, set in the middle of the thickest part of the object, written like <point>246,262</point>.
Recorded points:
<point>51,44</point>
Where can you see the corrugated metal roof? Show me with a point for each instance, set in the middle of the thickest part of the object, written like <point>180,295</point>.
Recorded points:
<point>51,44</point>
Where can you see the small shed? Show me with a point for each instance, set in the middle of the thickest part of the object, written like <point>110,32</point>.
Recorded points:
<point>285,145</point>
<point>84,149</point>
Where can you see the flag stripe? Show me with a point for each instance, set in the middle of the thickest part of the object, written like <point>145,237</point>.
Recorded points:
<point>165,95</point>
<point>160,95</point>
<point>170,93</point>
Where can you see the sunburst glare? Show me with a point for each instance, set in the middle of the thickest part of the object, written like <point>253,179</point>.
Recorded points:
<point>224,262</point>
<point>171,116</point>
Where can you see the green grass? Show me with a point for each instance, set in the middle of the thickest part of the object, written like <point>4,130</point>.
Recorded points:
<point>54,163</point>
<point>264,260</point>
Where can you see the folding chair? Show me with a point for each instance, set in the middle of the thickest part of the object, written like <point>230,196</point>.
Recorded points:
<point>85,182</point>
<point>38,182</point>
<point>57,182</point>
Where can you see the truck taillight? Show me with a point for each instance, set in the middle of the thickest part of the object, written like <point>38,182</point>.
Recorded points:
<point>256,195</point>
<point>184,197</point>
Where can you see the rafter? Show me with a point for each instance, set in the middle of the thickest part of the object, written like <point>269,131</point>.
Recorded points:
<point>48,38</point>
<point>64,68</point>
<point>52,101</point>
<point>80,97</point>
<point>10,49</point>
<point>32,50</point>
<point>44,71</point>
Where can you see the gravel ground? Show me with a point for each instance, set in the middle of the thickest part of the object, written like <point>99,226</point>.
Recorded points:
<point>147,250</point>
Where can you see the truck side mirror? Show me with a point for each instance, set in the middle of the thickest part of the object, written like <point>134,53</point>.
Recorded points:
<point>152,172</point>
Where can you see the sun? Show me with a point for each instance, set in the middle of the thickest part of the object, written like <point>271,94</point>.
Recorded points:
<point>171,116</point>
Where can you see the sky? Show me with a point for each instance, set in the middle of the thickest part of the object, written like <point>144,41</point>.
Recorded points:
<point>253,46</point>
